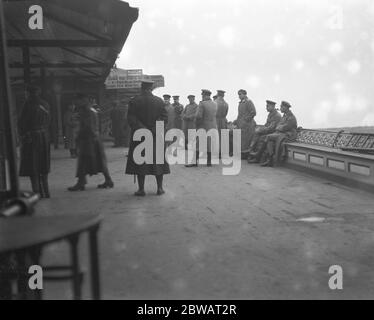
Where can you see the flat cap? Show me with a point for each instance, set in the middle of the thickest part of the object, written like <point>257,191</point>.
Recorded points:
<point>206,92</point>
<point>271,102</point>
<point>286,104</point>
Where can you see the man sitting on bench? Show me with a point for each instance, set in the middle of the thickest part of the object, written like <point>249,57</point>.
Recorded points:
<point>286,131</point>
<point>258,145</point>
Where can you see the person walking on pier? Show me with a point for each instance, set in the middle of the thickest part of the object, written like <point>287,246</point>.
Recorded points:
<point>91,154</point>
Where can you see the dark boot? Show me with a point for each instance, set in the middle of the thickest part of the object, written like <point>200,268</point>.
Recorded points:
<point>140,192</point>
<point>79,186</point>
<point>35,184</point>
<point>209,159</point>
<point>160,189</point>
<point>268,162</point>
<point>44,186</point>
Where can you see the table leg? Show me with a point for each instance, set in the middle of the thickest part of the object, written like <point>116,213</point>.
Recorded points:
<point>94,259</point>
<point>77,290</point>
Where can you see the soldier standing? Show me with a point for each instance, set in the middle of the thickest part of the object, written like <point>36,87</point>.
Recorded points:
<point>285,131</point>
<point>189,117</point>
<point>170,112</point>
<point>178,109</point>
<point>144,111</point>
<point>258,144</point>
<point>91,154</point>
<point>222,110</point>
<point>205,119</point>
<point>245,121</point>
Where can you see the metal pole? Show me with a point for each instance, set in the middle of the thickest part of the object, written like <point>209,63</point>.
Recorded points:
<point>7,106</point>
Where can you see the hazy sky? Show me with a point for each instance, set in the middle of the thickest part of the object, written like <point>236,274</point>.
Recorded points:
<point>316,54</point>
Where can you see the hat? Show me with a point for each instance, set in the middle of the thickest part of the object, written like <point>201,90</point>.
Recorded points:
<point>286,104</point>
<point>272,103</point>
<point>221,93</point>
<point>175,97</point>
<point>242,91</point>
<point>147,84</point>
<point>215,96</point>
<point>191,96</point>
<point>206,92</point>
<point>167,96</point>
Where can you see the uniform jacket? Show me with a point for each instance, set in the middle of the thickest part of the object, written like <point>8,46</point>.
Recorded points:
<point>271,123</point>
<point>222,110</point>
<point>189,116</point>
<point>178,110</point>
<point>288,125</point>
<point>206,115</point>
<point>171,116</point>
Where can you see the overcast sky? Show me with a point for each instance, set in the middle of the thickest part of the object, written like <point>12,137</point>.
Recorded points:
<point>316,54</point>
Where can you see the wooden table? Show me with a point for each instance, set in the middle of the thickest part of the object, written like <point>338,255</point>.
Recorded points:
<point>26,235</point>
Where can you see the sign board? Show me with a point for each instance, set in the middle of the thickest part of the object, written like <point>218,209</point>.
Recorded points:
<point>130,79</point>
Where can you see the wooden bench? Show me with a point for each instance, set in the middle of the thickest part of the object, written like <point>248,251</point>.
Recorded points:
<point>325,153</point>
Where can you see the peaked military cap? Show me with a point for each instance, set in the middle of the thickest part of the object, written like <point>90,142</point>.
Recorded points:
<point>286,104</point>
<point>191,96</point>
<point>175,97</point>
<point>167,96</point>
<point>147,84</point>
<point>242,91</point>
<point>221,92</point>
<point>271,102</point>
<point>206,92</point>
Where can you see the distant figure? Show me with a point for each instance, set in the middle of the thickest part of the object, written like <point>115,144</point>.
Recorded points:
<point>245,122</point>
<point>258,143</point>
<point>33,128</point>
<point>205,119</point>
<point>222,110</point>
<point>118,118</point>
<point>178,109</point>
<point>93,103</point>
<point>71,121</point>
<point>91,155</point>
<point>170,112</point>
<point>189,117</point>
<point>285,131</point>
<point>144,111</point>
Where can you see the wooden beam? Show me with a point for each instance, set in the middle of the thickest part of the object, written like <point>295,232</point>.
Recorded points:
<point>17,65</point>
<point>60,43</point>
<point>75,27</point>
<point>82,55</point>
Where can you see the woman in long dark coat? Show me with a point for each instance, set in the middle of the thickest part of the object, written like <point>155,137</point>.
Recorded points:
<point>33,126</point>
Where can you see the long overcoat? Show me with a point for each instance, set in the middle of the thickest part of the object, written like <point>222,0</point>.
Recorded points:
<point>246,123</point>
<point>144,111</point>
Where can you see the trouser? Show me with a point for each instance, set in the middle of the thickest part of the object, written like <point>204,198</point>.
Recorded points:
<point>141,181</point>
<point>39,184</point>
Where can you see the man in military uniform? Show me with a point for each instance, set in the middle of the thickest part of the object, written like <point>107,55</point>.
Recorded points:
<point>222,110</point>
<point>189,117</point>
<point>258,145</point>
<point>170,112</point>
<point>144,111</point>
<point>245,121</point>
<point>205,119</point>
<point>178,109</point>
<point>285,131</point>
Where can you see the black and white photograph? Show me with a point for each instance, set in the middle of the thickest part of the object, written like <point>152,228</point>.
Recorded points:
<point>197,152</point>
